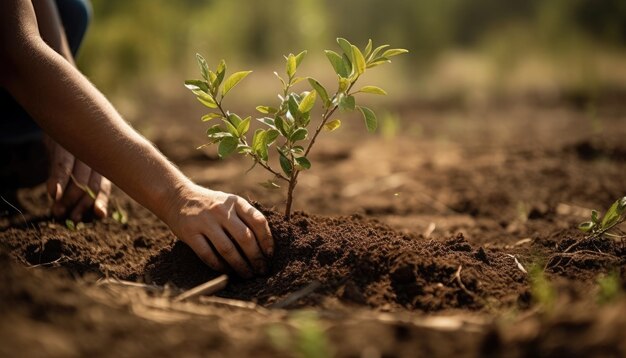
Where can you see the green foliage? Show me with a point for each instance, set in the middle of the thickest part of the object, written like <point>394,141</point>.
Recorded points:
<point>609,288</point>
<point>606,225</point>
<point>287,124</point>
<point>307,339</point>
<point>543,293</point>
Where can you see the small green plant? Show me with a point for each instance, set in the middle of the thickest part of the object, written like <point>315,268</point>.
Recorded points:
<point>307,339</point>
<point>287,124</point>
<point>543,293</point>
<point>609,288</point>
<point>607,225</point>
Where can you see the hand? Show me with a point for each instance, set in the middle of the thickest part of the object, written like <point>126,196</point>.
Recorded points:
<point>70,195</point>
<point>220,227</point>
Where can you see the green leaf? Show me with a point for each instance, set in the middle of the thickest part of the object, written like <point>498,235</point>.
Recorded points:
<point>267,121</point>
<point>120,216</point>
<point>258,140</point>
<point>344,83</point>
<point>621,206</point>
<point>373,90</point>
<point>347,103</point>
<point>300,57</point>
<point>359,60</point>
<point>231,128</point>
<point>303,163</point>
<point>227,146</point>
<point>69,224</point>
<point>281,126</point>
<point>345,45</point>
<point>205,99</point>
<point>594,217</point>
<point>368,47</point>
<point>337,62</point>
<point>269,185</point>
<point>219,75</point>
<point>197,85</point>
<point>376,51</point>
<point>285,164</point>
<point>378,61</point>
<point>295,80</point>
<point>267,109</point>
<point>234,119</point>
<point>270,136</point>
<point>394,52</point>
<point>347,63</point>
<point>332,125</point>
<point>586,226</point>
<point>208,117</point>
<point>297,149</point>
<point>204,68</point>
<point>244,149</point>
<point>307,103</point>
<point>370,118</point>
<point>612,216</point>
<point>293,106</point>
<point>243,127</point>
<point>299,134</point>
<point>320,90</point>
<point>233,80</point>
<point>291,65</point>
<point>215,129</point>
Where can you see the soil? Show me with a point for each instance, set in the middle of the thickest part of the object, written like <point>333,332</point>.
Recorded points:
<point>430,242</point>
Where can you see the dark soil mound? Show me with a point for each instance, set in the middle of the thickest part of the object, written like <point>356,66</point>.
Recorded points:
<point>360,261</point>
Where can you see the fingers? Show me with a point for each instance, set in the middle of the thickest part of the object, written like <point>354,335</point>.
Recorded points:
<point>61,165</point>
<point>258,223</point>
<point>73,193</point>
<point>102,199</point>
<point>227,250</point>
<point>101,188</point>
<point>201,247</point>
<point>247,242</point>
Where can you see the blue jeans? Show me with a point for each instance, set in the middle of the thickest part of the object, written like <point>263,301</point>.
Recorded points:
<point>15,124</point>
<point>23,159</point>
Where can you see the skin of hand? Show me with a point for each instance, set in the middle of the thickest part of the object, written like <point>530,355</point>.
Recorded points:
<point>68,182</point>
<point>69,177</point>
<point>223,229</point>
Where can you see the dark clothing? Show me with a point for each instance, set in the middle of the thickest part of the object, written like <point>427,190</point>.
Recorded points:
<point>23,162</point>
<point>15,124</point>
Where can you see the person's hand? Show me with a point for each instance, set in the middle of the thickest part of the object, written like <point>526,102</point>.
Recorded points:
<point>224,230</point>
<point>68,183</point>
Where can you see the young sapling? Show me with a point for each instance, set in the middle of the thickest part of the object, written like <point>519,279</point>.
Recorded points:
<point>287,125</point>
<point>606,226</point>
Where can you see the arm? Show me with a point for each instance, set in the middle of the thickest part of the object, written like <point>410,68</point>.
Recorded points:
<point>78,116</point>
<point>69,197</point>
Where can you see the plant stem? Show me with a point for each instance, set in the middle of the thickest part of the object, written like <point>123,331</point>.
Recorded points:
<point>292,186</point>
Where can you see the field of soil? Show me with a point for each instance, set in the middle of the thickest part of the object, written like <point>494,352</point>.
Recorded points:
<point>447,236</point>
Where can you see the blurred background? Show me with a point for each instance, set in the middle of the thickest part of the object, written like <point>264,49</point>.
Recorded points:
<point>462,51</point>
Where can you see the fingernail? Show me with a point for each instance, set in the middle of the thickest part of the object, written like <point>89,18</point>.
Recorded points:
<point>58,193</point>
<point>102,209</point>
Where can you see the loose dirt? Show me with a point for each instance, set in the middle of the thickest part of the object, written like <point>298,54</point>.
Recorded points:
<point>423,244</point>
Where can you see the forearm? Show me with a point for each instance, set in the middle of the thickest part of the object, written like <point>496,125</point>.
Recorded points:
<point>73,112</point>
<point>51,28</point>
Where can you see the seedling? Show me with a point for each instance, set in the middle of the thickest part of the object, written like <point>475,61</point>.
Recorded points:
<point>287,125</point>
<point>607,225</point>
<point>608,288</point>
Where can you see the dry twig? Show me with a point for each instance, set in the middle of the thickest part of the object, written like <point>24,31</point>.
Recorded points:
<point>207,288</point>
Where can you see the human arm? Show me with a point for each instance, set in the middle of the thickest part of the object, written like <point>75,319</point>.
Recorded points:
<point>73,112</point>
<point>68,177</point>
